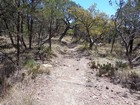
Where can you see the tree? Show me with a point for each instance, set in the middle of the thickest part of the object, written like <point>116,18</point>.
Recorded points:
<point>67,17</point>
<point>52,14</point>
<point>91,21</point>
<point>127,25</point>
<point>85,19</point>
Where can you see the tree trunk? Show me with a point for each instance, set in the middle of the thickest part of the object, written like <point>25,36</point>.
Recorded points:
<point>23,42</point>
<point>113,42</point>
<point>64,33</point>
<point>131,46</point>
<point>18,35</point>
<point>129,57</point>
<point>10,35</point>
<point>50,34</point>
<point>22,39</point>
<point>90,40</point>
<point>39,37</point>
<point>30,33</point>
<point>31,25</point>
<point>91,43</point>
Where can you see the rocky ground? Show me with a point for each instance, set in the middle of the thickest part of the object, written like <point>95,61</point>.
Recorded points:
<point>71,82</point>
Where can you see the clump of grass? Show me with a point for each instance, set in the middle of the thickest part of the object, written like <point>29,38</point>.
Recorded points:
<point>17,96</point>
<point>118,74</point>
<point>33,72</point>
<point>106,69</point>
<point>46,52</point>
<point>43,49</point>
<point>30,63</point>
<point>134,81</point>
<point>34,68</point>
<point>120,64</point>
<point>130,80</point>
<point>84,47</point>
<point>118,51</point>
<point>7,71</point>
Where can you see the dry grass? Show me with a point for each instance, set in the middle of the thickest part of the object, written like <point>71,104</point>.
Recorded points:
<point>129,78</point>
<point>33,69</point>
<point>125,76</point>
<point>17,96</point>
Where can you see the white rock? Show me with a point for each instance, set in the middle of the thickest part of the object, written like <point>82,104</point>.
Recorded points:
<point>46,65</point>
<point>45,68</point>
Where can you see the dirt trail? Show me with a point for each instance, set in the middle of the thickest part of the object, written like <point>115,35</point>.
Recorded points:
<point>73,83</point>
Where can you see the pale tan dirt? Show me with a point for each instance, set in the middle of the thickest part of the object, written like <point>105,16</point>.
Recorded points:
<point>71,82</point>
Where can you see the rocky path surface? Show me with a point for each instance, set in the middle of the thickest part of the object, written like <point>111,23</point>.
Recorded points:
<point>72,82</point>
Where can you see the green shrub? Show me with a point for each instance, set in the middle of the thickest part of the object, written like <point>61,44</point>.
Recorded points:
<point>32,67</point>
<point>43,49</point>
<point>120,64</point>
<point>109,69</point>
<point>106,69</point>
<point>30,63</point>
<point>70,32</point>
<point>46,52</point>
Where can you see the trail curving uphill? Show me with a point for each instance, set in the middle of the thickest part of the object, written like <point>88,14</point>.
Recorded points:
<point>72,82</point>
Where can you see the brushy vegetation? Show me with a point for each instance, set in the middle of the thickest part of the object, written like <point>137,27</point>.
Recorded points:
<point>84,47</point>
<point>118,74</point>
<point>7,70</point>
<point>120,64</point>
<point>30,63</point>
<point>106,69</point>
<point>35,68</point>
<point>18,97</point>
<point>134,81</point>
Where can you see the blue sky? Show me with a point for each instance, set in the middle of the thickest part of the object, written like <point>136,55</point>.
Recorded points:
<point>102,5</point>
